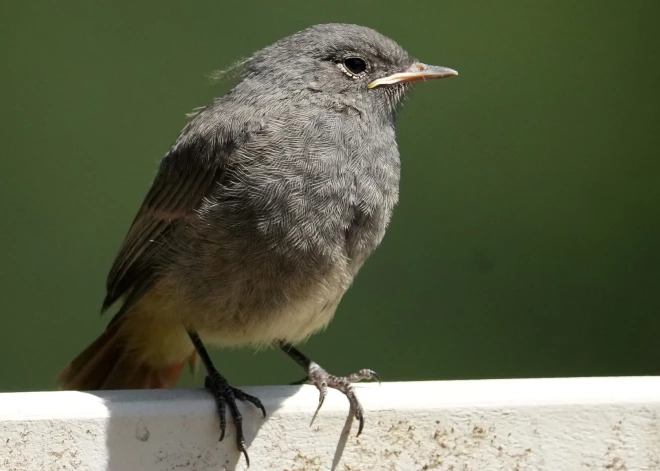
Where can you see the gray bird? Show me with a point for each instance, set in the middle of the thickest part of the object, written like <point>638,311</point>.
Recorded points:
<point>261,214</point>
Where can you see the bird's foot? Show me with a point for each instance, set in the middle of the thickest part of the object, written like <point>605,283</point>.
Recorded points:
<point>320,378</point>
<point>225,397</point>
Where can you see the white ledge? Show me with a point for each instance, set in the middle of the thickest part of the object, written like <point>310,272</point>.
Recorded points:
<point>529,424</point>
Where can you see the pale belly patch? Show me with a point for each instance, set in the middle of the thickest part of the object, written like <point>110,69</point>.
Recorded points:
<point>293,324</point>
<point>237,321</point>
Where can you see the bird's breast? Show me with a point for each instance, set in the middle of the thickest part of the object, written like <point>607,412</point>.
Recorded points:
<point>295,216</point>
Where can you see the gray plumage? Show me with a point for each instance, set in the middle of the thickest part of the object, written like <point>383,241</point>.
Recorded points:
<point>275,194</point>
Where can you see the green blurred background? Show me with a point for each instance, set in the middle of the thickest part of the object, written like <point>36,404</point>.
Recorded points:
<point>526,242</point>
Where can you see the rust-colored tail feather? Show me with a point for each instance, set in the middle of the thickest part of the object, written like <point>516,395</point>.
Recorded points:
<point>108,364</point>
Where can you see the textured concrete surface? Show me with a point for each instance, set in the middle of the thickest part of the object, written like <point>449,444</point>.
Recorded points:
<point>530,424</point>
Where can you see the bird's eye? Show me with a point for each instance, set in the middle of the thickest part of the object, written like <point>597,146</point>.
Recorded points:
<point>354,66</point>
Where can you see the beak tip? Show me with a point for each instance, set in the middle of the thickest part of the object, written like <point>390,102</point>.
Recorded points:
<point>446,72</point>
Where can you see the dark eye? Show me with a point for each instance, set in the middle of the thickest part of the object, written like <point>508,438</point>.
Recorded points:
<point>355,65</point>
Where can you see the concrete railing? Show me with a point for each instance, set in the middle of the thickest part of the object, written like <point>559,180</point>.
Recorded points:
<point>529,424</point>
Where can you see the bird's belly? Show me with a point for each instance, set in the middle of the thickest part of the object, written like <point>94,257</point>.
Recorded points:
<point>256,308</point>
<point>292,323</point>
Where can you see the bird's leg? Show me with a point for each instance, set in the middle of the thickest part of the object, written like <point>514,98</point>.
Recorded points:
<point>225,395</point>
<point>320,378</point>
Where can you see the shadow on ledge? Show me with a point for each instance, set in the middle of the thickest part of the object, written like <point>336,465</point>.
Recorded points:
<point>179,429</point>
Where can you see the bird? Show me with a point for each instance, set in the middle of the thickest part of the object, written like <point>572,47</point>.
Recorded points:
<point>260,216</point>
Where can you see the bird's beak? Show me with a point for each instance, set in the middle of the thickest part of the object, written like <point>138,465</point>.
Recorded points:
<point>415,73</point>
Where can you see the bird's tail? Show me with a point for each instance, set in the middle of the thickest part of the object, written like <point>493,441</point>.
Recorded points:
<point>109,363</point>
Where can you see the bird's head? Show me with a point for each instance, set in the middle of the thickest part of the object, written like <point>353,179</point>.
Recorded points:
<point>339,62</point>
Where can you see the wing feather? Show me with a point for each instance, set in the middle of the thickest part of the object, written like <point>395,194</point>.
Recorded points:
<point>186,176</point>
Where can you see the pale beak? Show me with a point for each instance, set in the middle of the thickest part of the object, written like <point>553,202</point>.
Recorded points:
<point>415,73</point>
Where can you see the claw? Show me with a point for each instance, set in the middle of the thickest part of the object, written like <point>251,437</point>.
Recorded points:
<point>225,397</point>
<point>375,376</point>
<point>245,397</point>
<point>359,415</point>
<point>323,390</point>
<point>223,419</point>
<point>247,458</point>
<point>322,380</point>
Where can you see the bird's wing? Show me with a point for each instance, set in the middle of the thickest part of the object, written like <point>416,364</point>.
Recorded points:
<point>187,174</point>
